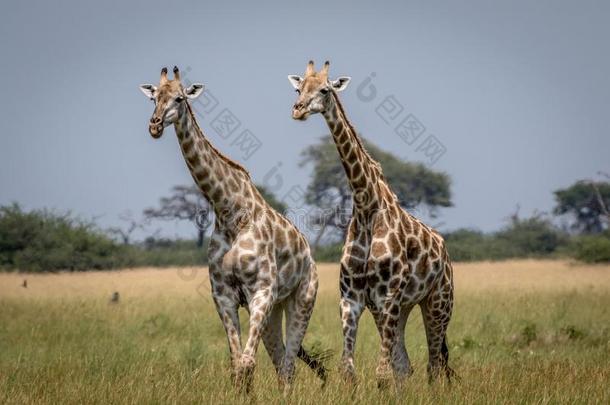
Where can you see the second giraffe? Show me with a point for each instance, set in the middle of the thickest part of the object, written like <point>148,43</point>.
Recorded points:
<point>391,261</point>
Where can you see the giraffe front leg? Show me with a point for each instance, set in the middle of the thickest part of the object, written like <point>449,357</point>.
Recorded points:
<point>388,335</point>
<point>260,306</point>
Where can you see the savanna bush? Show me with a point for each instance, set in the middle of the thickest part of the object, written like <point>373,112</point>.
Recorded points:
<point>592,248</point>
<point>40,240</point>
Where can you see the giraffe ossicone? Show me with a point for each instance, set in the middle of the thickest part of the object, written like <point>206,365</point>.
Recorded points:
<point>391,261</point>
<point>257,257</point>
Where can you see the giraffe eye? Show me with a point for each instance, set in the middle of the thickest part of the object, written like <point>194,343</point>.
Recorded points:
<point>179,99</point>
<point>298,91</point>
<point>324,90</point>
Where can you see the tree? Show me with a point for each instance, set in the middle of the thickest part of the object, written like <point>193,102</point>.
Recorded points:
<point>132,224</point>
<point>186,203</point>
<point>329,191</point>
<point>587,202</point>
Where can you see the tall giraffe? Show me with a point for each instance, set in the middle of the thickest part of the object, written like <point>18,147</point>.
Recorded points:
<point>391,261</point>
<point>257,258</point>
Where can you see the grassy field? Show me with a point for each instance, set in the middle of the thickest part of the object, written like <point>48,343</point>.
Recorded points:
<point>522,331</point>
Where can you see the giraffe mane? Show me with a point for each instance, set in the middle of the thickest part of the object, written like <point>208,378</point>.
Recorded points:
<point>222,156</point>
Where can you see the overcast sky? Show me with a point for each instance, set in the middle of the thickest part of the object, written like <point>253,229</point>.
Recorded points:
<point>517,93</point>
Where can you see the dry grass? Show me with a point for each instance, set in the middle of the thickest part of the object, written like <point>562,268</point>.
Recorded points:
<point>523,331</point>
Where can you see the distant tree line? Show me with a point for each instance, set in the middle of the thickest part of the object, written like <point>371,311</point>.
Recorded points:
<point>41,240</point>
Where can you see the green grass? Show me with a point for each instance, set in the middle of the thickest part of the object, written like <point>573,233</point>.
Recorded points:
<point>548,346</point>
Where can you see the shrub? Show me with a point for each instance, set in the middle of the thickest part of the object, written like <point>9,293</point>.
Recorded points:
<point>530,237</point>
<point>468,245</point>
<point>533,236</point>
<point>329,253</point>
<point>41,241</point>
<point>166,252</point>
<point>592,248</point>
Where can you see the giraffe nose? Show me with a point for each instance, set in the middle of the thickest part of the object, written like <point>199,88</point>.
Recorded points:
<point>155,120</point>
<point>297,106</point>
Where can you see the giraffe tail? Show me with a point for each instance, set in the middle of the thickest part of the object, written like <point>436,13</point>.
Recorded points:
<point>449,372</point>
<point>316,359</point>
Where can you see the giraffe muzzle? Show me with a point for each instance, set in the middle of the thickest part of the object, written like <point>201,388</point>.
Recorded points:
<point>299,112</point>
<point>156,127</point>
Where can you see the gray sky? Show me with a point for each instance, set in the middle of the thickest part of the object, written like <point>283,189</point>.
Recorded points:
<point>517,92</point>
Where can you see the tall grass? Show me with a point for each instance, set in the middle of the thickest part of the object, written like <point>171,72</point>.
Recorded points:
<point>522,332</point>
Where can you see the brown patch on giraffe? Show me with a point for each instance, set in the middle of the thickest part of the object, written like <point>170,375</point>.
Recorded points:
<point>394,283</point>
<point>378,249</point>
<point>356,250</point>
<point>247,244</point>
<point>217,194</point>
<point>394,243</point>
<point>200,176</point>
<point>358,282</point>
<point>280,237</point>
<point>372,279</point>
<point>384,268</point>
<point>345,148</point>
<point>187,144</point>
<point>413,248</point>
<point>192,160</point>
<point>359,182</point>
<point>425,239</point>
<point>380,227</point>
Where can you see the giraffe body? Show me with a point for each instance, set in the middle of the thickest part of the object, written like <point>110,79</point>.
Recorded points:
<point>391,261</point>
<point>257,258</point>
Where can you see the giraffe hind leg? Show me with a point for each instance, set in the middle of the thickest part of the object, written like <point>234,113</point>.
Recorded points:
<point>272,337</point>
<point>436,313</point>
<point>299,308</point>
<point>402,364</point>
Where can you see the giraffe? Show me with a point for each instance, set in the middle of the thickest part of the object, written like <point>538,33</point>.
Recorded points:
<point>257,258</point>
<point>391,261</point>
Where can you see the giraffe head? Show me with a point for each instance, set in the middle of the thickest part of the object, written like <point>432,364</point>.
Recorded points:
<point>315,91</point>
<point>170,99</point>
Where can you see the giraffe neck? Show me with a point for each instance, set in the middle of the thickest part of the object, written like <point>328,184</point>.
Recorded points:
<point>363,172</point>
<point>224,183</point>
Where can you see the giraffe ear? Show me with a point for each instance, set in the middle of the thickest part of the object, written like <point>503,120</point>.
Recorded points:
<point>149,90</point>
<point>194,90</point>
<point>295,80</point>
<point>341,83</point>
